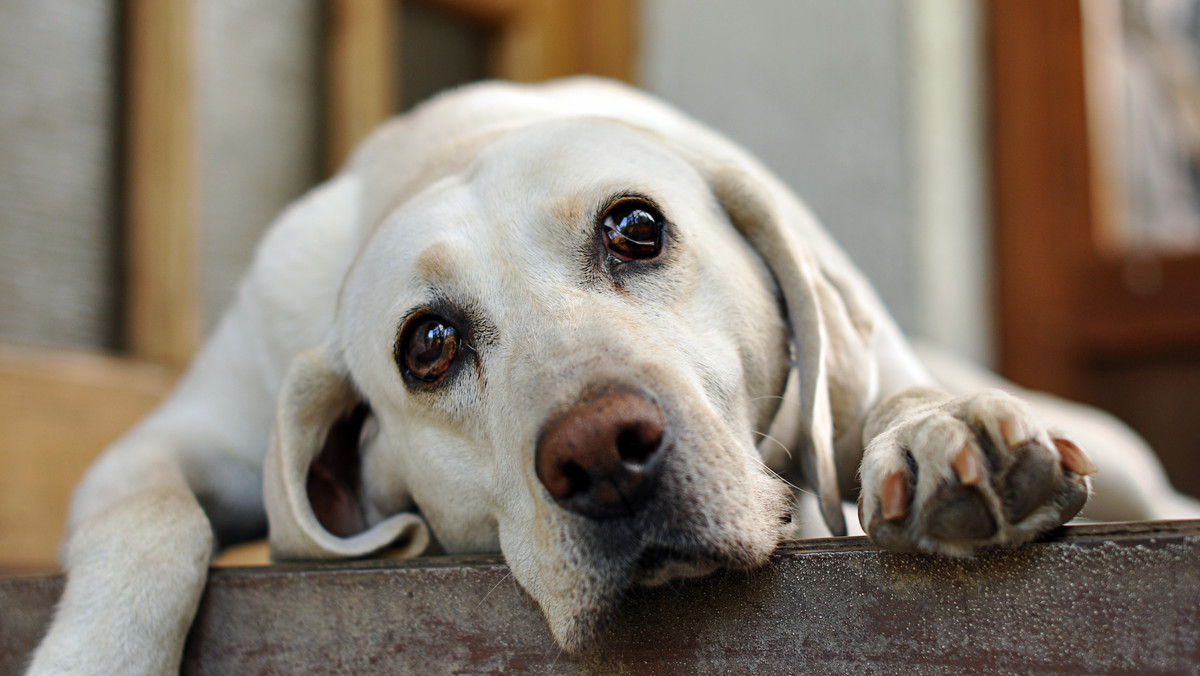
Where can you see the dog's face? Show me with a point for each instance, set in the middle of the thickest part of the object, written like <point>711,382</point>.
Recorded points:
<point>569,352</point>
<point>568,349</point>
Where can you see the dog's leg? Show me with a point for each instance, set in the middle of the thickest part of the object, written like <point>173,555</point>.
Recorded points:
<point>949,475</point>
<point>144,518</point>
<point>136,569</point>
<point>146,514</point>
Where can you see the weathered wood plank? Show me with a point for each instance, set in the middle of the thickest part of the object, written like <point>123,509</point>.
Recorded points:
<point>1119,598</point>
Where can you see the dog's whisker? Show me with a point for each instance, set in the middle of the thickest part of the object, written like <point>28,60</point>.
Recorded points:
<point>494,588</point>
<point>775,474</point>
<point>779,443</point>
<point>766,396</point>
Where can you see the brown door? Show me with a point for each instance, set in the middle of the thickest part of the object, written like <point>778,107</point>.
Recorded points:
<point>1084,311</point>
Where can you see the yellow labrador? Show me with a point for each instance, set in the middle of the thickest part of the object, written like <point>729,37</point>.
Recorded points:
<point>566,323</point>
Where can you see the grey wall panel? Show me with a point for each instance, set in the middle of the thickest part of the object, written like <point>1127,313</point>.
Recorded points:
<point>59,256</point>
<point>819,91</point>
<point>259,78</point>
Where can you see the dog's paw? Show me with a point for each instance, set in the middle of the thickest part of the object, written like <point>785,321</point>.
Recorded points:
<point>976,471</point>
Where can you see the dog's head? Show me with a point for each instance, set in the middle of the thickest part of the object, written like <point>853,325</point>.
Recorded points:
<point>564,339</point>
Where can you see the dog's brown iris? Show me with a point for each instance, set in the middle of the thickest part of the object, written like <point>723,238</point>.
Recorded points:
<point>633,230</point>
<point>427,348</point>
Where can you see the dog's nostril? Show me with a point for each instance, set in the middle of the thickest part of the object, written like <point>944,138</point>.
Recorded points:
<point>637,444</point>
<point>577,478</point>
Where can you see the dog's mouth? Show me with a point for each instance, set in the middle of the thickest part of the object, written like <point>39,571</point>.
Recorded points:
<point>659,565</point>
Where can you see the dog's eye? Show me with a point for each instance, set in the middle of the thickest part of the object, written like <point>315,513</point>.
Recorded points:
<point>633,230</point>
<point>427,348</point>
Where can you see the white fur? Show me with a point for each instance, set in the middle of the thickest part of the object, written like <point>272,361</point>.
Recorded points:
<point>486,197</point>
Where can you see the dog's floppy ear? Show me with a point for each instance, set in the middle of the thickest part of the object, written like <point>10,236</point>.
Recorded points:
<point>834,368</point>
<point>311,481</point>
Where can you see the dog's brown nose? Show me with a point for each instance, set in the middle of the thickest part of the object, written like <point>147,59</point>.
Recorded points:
<point>601,458</point>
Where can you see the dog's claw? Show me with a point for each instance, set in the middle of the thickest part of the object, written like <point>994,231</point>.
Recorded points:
<point>1073,458</point>
<point>894,496</point>
<point>967,466</point>
<point>1012,433</point>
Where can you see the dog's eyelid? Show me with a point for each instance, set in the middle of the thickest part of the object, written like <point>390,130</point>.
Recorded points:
<point>628,197</point>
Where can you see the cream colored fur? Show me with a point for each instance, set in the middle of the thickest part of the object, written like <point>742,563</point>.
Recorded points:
<point>487,199</point>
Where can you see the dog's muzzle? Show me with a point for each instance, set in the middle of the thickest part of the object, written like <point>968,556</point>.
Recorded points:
<point>601,459</point>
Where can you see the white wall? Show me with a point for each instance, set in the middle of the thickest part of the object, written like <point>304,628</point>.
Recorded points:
<point>869,109</point>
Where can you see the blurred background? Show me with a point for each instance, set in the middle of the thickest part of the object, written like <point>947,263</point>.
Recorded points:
<point>1018,177</point>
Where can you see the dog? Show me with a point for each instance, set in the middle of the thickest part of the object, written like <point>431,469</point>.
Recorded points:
<point>566,323</point>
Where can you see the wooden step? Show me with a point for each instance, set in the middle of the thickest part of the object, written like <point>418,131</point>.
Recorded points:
<point>1113,598</point>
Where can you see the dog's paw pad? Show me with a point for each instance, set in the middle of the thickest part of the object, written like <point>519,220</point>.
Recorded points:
<point>957,512</point>
<point>974,472</point>
<point>1029,481</point>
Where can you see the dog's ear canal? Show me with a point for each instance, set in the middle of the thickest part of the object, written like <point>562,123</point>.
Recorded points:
<point>312,480</point>
<point>835,370</point>
<point>335,478</point>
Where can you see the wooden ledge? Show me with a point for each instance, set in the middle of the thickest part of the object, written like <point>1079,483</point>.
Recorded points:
<point>1114,598</point>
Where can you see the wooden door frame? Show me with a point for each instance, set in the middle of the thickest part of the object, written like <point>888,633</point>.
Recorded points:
<point>1064,300</point>
<point>530,40</point>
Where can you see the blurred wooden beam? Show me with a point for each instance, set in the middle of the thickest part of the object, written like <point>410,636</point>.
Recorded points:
<point>606,37</point>
<point>360,75</point>
<point>545,39</point>
<point>162,302</point>
<point>1141,308</point>
<point>491,12</point>
<point>1041,183</point>
<point>1118,598</point>
<point>531,40</point>
<point>535,43</point>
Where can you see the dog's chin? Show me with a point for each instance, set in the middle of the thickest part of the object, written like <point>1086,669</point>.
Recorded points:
<point>578,629</point>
